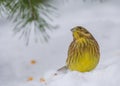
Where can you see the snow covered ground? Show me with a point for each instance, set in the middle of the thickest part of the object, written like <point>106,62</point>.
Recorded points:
<point>101,19</point>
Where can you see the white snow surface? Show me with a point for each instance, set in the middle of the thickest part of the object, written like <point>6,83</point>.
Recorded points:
<point>101,19</point>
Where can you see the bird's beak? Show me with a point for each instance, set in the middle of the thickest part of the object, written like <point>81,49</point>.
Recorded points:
<point>72,29</point>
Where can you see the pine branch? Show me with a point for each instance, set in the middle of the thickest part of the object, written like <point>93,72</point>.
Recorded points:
<point>26,12</point>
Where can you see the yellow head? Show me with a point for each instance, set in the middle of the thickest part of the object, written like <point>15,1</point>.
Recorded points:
<point>81,32</point>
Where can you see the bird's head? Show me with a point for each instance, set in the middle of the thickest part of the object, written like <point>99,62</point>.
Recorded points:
<point>80,32</point>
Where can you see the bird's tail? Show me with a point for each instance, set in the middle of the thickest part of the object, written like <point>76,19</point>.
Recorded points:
<point>63,69</point>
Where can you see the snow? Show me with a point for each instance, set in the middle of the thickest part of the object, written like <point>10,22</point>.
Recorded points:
<point>101,19</point>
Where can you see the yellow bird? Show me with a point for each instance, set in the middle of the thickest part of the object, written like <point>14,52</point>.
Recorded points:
<point>83,52</point>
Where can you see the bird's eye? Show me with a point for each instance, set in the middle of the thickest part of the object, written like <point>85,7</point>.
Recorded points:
<point>86,32</point>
